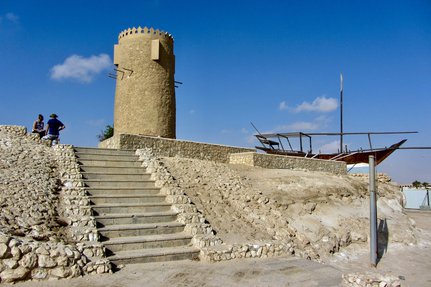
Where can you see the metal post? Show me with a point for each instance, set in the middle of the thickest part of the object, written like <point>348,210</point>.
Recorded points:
<point>300,141</point>
<point>428,198</point>
<point>341,113</point>
<point>373,212</point>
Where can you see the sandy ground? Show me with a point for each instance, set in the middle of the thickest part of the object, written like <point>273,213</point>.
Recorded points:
<point>411,263</point>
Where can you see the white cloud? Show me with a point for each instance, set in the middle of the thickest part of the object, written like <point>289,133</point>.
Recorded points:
<point>330,147</point>
<point>320,104</point>
<point>12,17</point>
<point>283,106</point>
<point>298,126</point>
<point>80,68</point>
<point>250,139</point>
<point>316,124</point>
<point>9,18</point>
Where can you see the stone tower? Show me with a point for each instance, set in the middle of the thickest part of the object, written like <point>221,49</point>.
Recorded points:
<point>145,88</point>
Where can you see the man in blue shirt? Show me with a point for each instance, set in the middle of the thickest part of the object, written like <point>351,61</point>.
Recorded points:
<point>53,128</point>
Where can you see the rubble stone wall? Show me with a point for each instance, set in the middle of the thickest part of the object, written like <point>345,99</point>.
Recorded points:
<point>171,148</point>
<point>15,130</point>
<point>285,162</point>
<point>46,228</point>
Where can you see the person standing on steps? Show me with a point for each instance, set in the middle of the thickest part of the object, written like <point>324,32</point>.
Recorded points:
<point>38,126</point>
<point>53,128</point>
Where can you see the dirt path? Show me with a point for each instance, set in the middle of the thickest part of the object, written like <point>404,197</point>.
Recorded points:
<point>266,272</point>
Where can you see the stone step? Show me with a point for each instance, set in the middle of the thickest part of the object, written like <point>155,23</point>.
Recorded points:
<point>119,183</point>
<point>127,230</point>
<point>123,190</point>
<point>108,151</point>
<point>89,156</point>
<point>124,198</point>
<point>115,176</point>
<point>149,241</point>
<point>136,218</point>
<point>135,223</point>
<point>107,208</point>
<point>113,169</point>
<point>110,163</point>
<point>155,255</point>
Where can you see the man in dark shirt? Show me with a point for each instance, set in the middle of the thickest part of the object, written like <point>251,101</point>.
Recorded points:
<point>53,128</point>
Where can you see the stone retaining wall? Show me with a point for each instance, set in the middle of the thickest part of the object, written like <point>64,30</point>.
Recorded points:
<point>164,147</point>
<point>171,148</point>
<point>76,211</point>
<point>287,162</point>
<point>75,207</point>
<point>181,203</point>
<point>14,130</point>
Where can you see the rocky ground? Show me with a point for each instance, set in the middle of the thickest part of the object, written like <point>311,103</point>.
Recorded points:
<point>36,234</point>
<point>320,212</point>
<point>28,189</point>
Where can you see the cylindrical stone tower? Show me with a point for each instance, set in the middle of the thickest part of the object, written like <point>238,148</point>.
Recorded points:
<point>145,88</point>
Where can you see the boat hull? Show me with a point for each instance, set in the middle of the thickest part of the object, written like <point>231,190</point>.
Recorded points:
<point>349,158</point>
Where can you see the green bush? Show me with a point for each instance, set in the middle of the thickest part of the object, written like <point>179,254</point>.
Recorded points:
<point>106,134</point>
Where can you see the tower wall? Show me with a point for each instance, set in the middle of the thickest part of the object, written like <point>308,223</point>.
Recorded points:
<point>145,88</point>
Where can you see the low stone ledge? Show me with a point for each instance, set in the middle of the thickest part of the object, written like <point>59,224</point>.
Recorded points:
<point>287,162</point>
<point>250,250</point>
<point>172,147</point>
<point>15,130</point>
<point>370,279</point>
<point>23,259</point>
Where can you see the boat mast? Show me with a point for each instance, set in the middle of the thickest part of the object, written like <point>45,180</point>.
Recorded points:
<point>341,113</point>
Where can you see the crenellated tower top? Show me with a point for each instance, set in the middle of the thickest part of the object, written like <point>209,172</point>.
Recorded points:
<point>145,31</point>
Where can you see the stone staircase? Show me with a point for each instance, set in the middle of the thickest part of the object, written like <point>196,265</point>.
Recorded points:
<point>135,223</point>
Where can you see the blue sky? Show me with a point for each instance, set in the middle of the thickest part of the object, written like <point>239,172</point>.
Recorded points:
<point>274,63</point>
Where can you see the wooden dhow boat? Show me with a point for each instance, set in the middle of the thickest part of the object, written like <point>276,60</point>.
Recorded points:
<point>280,144</point>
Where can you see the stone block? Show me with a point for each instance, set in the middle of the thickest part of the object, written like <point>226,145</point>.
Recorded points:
<point>29,261</point>
<point>46,261</point>
<point>4,251</point>
<point>9,275</point>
